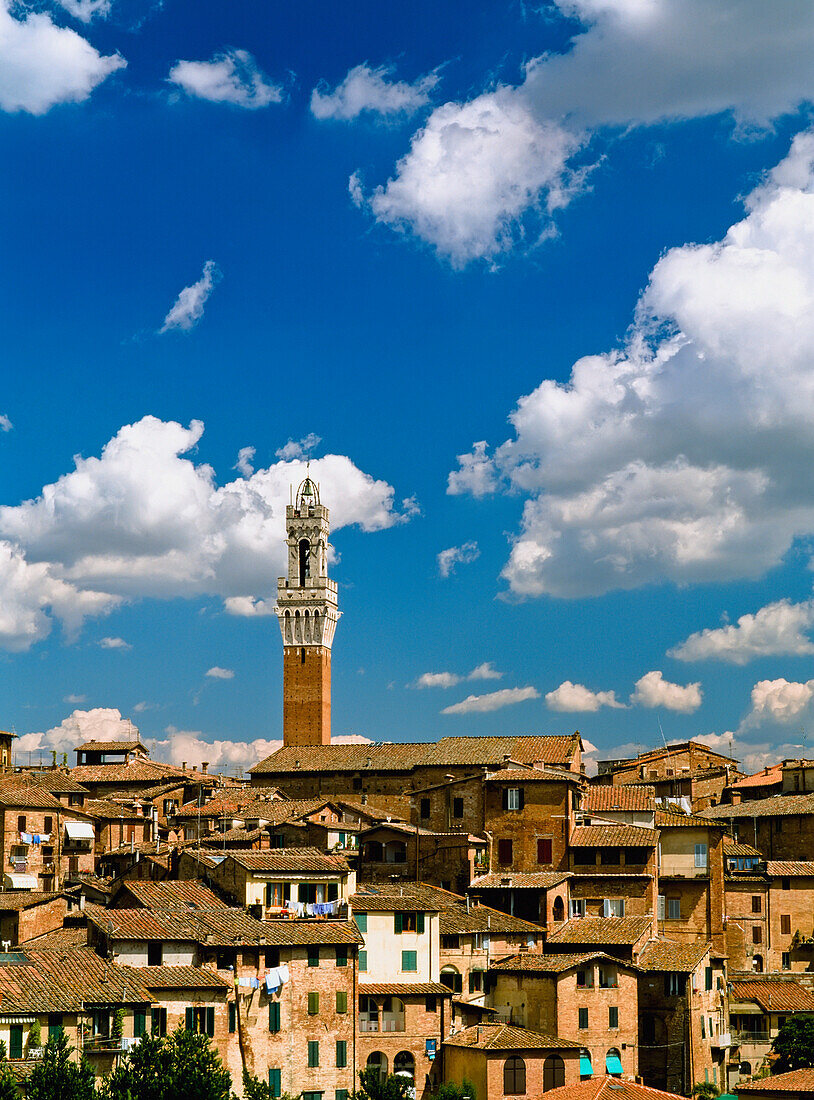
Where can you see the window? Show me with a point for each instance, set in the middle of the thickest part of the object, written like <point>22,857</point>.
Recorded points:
<point>475,981</point>
<point>584,857</point>
<point>585,977</point>
<point>613,1016</point>
<point>139,1023</point>
<point>200,1020</point>
<point>544,854</point>
<point>315,1095</point>
<point>504,852</point>
<point>703,1029</point>
<point>274,1016</point>
<point>155,953</point>
<point>457,807</point>
<point>430,1004</point>
<point>673,908</point>
<point>785,960</point>
<point>48,825</point>
<point>341,1094</point>
<point>577,907</point>
<point>700,855</point>
<point>361,921</point>
<point>756,903</point>
<point>313,1004</point>
<point>451,943</point>
<point>613,1063</point>
<point>660,904</point>
<point>452,979</point>
<point>707,977</point>
<point>613,907</point>
<point>313,1053</point>
<point>675,985</point>
<point>409,961</point>
<point>341,956</point>
<point>482,941</point>
<point>276,1083</point>
<point>363,960</point>
<point>514,1077</point>
<point>313,955</point>
<point>232,1017</point>
<point>513,798</point>
<point>582,1020</point>
<point>757,934</point>
<point>785,924</point>
<point>785,884</point>
<point>757,964</point>
<point>424,808</point>
<point>608,978</point>
<point>15,1046</point>
<point>553,1072</point>
<point>408,922</point>
<point>55,1024</point>
<point>158,1022</point>
<point>21,823</point>
<point>609,856</point>
<point>341,1053</point>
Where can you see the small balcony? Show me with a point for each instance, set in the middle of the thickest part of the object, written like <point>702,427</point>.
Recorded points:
<point>103,1044</point>
<point>743,1038</point>
<point>723,1040</point>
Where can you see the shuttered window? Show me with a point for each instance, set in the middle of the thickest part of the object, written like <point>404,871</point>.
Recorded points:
<point>276,1083</point>
<point>341,1054</point>
<point>274,1016</point>
<point>313,1054</point>
<point>313,1004</point>
<point>341,1001</point>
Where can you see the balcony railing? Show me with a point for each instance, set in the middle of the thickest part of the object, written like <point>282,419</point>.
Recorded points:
<point>100,1044</point>
<point>742,1037</point>
<point>383,1025</point>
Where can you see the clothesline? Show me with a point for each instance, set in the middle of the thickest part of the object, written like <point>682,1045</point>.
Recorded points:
<point>35,838</point>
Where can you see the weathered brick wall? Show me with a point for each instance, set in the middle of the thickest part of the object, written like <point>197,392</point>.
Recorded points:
<point>792,897</point>
<point>546,814</point>
<point>419,1026</point>
<point>599,1037</point>
<point>36,921</point>
<point>442,806</point>
<point>306,695</point>
<point>741,919</point>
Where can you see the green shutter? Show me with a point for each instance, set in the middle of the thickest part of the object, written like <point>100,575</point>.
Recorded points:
<point>210,1021</point>
<point>15,1046</point>
<point>341,1000</point>
<point>313,1054</point>
<point>276,1083</point>
<point>419,923</point>
<point>341,956</point>
<point>341,1054</point>
<point>341,1094</point>
<point>274,1016</point>
<point>361,921</point>
<point>232,1017</point>
<point>313,1004</point>
<point>397,923</point>
<point>363,960</point>
<point>188,1019</point>
<point>313,956</point>
<point>708,975</point>
<point>409,961</point>
<point>139,1022</point>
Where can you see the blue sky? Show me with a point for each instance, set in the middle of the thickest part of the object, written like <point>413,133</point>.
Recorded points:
<point>569,242</point>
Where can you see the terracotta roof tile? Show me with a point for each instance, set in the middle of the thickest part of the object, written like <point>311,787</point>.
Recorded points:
<point>29,798</point>
<point>666,955</point>
<point>51,981</point>
<point>248,805</point>
<point>105,809</point>
<point>506,1037</point>
<point>533,962</point>
<point>276,860</point>
<point>530,775</point>
<point>404,989</point>
<point>609,1088</point>
<point>110,746</point>
<point>139,770</point>
<point>285,933</point>
<point>67,938</point>
<point>218,927</point>
<point>789,868</point>
<point>674,819</point>
<point>183,894</point>
<point>796,1080</point>
<point>610,930</point>
<point>777,805</point>
<point>627,797</point>
<point>24,899</point>
<point>735,848</point>
<point>613,836</point>
<point>53,780</point>
<point>177,977</point>
<point>385,896</point>
<point>774,996</point>
<point>769,777</point>
<point>480,918</point>
<point>517,880</point>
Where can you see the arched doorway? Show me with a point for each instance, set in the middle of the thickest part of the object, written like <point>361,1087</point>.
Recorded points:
<point>404,1065</point>
<point>378,1061</point>
<point>757,964</point>
<point>514,1077</point>
<point>553,1072</point>
<point>613,1062</point>
<point>452,979</point>
<point>558,911</point>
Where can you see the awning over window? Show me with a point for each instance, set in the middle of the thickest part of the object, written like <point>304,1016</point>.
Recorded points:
<point>21,882</point>
<point>585,1067</point>
<point>79,830</point>
<point>613,1064</point>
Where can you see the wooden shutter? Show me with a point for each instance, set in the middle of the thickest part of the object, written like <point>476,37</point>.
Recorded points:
<point>341,1000</point>
<point>274,1016</point>
<point>210,1022</point>
<point>522,796</point>
<point>188,1019</point>
<point>397,923</point>
<point>275,1082</point>
<point>504,798</point>
<point>313,1004</point>
<point>419,923</point>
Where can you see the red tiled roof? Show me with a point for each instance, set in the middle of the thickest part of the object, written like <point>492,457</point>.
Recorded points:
<point>110,746</point>
<point>609,1088</point>
<point>506,1037</point>
<point>139,770</point>
<point>674,819</point>
<point>769,777</point>
<point>457,920</point>
<point>291,933</point>
<point>177,977</point>
<point>776,805</point>
<point>217,927</point>
<point>530,775</point>
<point>183,894</point>
<point>53,780</point>
<point>29,798</point>
<point>774,996</point>
<point>25,899</point>
<point>789,868</point>
<point>290,859</point>
<point>111,811</point>
<point>64,939</point>
<point>533,962</point>
<point>627,797</point>
<point>666,955</point>
<point>610,930</point>
<point>613,836</point>
<point>518,880</point>
<point>735,848</point>
<point>53,981</point>
<point>796,1080</point>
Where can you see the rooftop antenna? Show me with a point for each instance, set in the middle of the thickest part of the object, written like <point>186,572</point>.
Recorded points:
<point>661,731</point>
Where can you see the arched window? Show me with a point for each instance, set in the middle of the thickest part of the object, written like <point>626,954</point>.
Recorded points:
<point>514,1077</point>
<point>404,1064</point>
<point>378,1061</point>
<point>374,851</point>
<point>745,1069</point>
<point>553,1072</point>
<point>451,979</point>
<point>305,560</point>
<point>558,912</point>
<point>757,964</point>
<point>613,1063</point>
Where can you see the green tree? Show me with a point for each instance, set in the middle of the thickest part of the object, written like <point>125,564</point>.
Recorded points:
<point>377,1087</point>
<point>117,1028</point>
<point>450,1090</point>
<point>35,1036</point>
<point>56,1077</point>
<point>794,1045</point>
<point>8,1085</point>
<point>181,1065</point>
<point>706,1090</point>
<point>255,1089</point>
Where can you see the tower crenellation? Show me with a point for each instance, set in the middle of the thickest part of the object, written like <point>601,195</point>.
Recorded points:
<point>307,611</point>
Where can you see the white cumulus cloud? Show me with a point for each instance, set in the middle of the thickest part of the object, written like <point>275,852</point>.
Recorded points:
<point>230,77</point>
<point>457,555</point>
<point>98,724</point>
<point>245,458</point>
<point>42,64</point>
<point>652,690</point>
<point>298,448</point>
<point>684,456</point>
<point>114,643</point>
<point>218,673</point>
<point>85,10</point>
<point>570,697</point>
<point>188,308</point>
<point>143,519</point>
<point>780,701</point>
<point>495,700</point>
<point>5,423</point>
<point>779,629</point>
<point>484,671</point>
<point>365,89</point>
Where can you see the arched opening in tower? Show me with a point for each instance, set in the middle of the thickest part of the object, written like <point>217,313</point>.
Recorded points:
<point>305,559</point>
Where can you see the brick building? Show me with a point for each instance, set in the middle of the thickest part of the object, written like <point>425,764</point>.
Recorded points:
<point>614,871</point>
<point>27,913</point>
<point>285,880</point>
<point>44,842</point>
<point>542,897</point>
<point>780,826</point>
<point>758,1008</point>
<point>589,998</point>
<point>687,773</point>
<point>691,878</point>
<point>501,1060</point>
<point>391,850</point>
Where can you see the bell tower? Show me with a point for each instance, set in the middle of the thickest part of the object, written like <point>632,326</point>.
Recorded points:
<point>308,614</point>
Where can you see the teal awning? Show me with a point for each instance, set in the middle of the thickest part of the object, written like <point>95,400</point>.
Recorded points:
<point>613,1064</point>
<point>585,1067</point>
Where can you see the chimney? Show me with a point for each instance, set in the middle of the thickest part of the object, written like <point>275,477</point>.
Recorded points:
<point>183,765</point>
<point>204,766</point>
<point>81,903</point>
